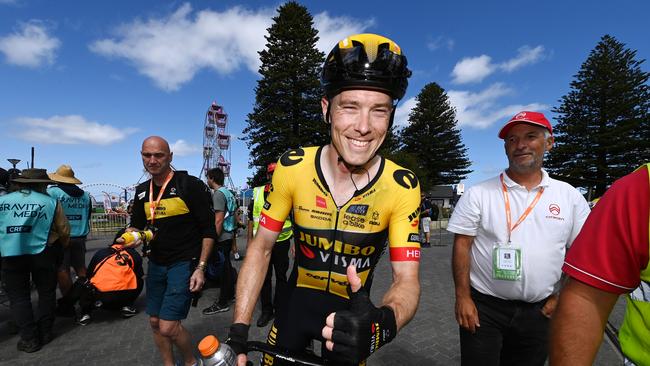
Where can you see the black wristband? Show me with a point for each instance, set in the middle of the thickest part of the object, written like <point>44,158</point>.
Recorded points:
<point>238,338</point>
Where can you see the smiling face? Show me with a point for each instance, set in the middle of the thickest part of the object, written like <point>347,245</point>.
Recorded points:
<point>525,146</point>
<point>156,156</point>
<point>359,121</point>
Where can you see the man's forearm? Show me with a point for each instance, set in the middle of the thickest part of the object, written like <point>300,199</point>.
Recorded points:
<point>461,263</point>
<point>578,324</point>
<point>250,280</point>
<point>403,298</point>
<point>206,249</point>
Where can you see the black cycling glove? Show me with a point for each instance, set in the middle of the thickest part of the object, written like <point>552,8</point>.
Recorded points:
<point>238,338</point>
<point>362,330</point>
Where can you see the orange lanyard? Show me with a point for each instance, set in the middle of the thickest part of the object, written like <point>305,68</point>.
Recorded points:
<point>523,216</point>
<point>153,204</point>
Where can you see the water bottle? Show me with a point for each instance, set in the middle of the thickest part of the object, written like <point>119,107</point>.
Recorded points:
<point>132,236</point>
<point>214,353</point>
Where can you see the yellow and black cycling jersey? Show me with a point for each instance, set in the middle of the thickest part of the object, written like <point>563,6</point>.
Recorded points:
<point>330,238</point>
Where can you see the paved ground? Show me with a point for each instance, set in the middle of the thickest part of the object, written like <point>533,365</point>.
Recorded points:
<point>430,339</point>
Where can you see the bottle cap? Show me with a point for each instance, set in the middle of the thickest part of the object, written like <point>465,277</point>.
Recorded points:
<point>208,346</point>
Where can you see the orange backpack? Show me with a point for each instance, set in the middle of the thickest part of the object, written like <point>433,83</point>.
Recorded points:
<point>115,272</point>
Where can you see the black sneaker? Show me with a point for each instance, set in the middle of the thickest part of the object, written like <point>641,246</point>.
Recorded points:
<point>426,245</point>
<point>128,311</point>
<point>84,319</point>
<point>29,346</point>
<point>215,308</point>
<point>264,319</point>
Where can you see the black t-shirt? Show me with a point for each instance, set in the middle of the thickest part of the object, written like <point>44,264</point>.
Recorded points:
<point>183,218</point>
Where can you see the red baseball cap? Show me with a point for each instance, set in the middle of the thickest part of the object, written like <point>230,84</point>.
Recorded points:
<point>270,168</point>
<point>533,118</point>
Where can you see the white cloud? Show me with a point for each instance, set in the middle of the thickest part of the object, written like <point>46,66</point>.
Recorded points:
<point>70,129</point>
<point>440,42</point>
<point>475,69</point>
<point>481,110</point>
<point>472,69</point>
<point>476,110</point>
<point>525,56</point>
<point>30,46</point>
<point>171,50</point>
<point>184,148</point>
<point>333,29</point>
<point>403,111</point>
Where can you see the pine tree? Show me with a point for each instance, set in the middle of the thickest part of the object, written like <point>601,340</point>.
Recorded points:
<point>603,124</point>
<point>433,138</point>
<point>287,111</point>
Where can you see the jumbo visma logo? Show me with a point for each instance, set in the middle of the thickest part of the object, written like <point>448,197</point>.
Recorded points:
<point>337,252</point>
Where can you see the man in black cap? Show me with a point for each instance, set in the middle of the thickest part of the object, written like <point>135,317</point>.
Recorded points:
<point>32,224</point>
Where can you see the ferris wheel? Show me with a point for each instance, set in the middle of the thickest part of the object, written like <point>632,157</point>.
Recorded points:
<point>216,143</point>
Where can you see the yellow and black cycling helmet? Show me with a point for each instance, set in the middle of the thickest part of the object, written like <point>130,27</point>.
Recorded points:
<point>366,61</point>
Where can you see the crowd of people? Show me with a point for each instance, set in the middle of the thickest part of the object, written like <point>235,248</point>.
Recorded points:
<point>534,270</point>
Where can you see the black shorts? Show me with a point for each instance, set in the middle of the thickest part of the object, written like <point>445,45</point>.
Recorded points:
<point>299,321</point>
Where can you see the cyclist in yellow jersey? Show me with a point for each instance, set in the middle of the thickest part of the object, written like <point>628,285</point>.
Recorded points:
<point>349,206</point>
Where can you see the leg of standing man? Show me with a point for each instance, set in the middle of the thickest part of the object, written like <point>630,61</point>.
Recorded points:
<point>44,276</point>
<point>227,291</point>
<point>426,228</point>
<point>16,272</point>
<point>168,302</point>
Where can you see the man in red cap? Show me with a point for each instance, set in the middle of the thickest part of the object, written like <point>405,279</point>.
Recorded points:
<point>279,255</point>
<point>511,235</point>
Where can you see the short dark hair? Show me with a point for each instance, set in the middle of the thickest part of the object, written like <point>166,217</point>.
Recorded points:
<point>216,175</point>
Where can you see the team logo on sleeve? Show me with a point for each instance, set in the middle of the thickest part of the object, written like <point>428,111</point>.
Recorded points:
<point>405,178</point>
<point>414,238</point>
<point>267,205</point>
<point>414,216</point>
<point>292,157</point>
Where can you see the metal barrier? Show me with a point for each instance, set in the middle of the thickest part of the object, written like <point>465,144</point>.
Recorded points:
<point>106,224</point>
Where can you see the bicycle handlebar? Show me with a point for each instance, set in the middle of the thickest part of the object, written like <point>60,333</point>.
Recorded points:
<point>305,360</point>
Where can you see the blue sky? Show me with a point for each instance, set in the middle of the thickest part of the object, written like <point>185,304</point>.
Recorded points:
<point>85,81</point>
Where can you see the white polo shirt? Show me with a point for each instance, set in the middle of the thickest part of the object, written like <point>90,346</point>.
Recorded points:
<point>543,236</point>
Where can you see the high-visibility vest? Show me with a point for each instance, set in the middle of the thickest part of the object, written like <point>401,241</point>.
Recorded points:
<point>26,217</point>
<point>258,204</point>
<point>634,335</point>
<point>76,209</point>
